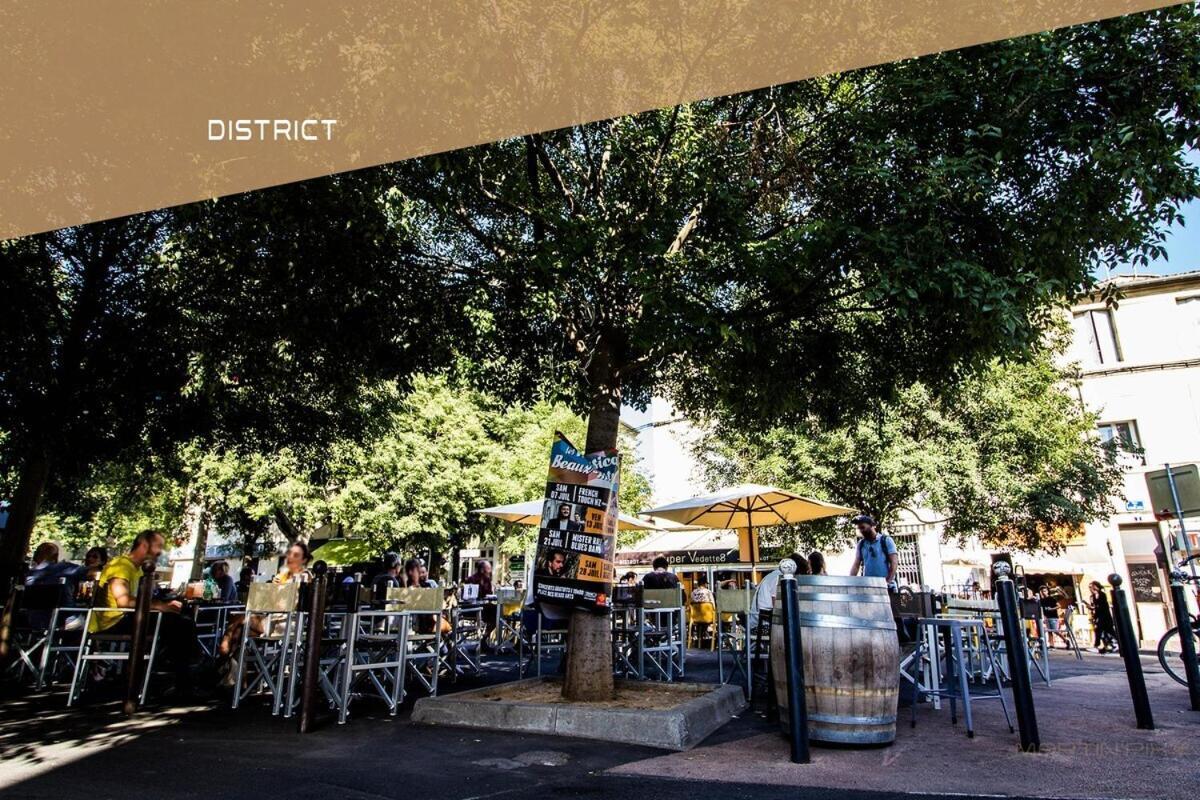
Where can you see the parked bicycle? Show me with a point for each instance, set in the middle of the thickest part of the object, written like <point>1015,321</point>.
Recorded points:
<point>1169,650</point>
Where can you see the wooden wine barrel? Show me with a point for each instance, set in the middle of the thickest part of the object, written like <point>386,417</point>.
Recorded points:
<point>851,659</point>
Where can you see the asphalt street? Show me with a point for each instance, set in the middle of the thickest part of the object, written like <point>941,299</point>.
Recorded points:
<point>211,751</point>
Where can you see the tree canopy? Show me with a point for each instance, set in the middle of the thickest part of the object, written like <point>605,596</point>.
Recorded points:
<point>1009,458</point>
<point>802,249</point>
<point>439,451</point>
<point>255,321</point>
<point>772,253</point>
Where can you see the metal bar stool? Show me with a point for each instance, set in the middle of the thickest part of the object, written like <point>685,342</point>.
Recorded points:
<point>955,688</point>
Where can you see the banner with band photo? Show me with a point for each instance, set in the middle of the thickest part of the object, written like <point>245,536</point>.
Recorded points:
<point>577,539</point>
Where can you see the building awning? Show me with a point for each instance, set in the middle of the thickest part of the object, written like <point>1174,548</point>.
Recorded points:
<point>344,552</point>
<point>1047,565</point>
<point>686,546</point>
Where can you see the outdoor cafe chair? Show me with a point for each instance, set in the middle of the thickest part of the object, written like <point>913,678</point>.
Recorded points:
<point>267,656</point>
<point>660,631</point>
<point>733,612</point>
<point>423,655</point>
<point>371,659</point>
<point>466,639</point>
<point>210,622</point>
<point>105,647</point>
<point>1034,628</point>
<point>625,638</point>
<point>507,633</point>
<point>61,645</point>
<point>332,646</point>
<point>702,617</point>
<point>45,632</point>
<point>1067,629</point>
<point>541,641</point>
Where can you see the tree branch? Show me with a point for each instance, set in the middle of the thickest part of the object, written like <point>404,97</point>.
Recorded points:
<point>552,170</point>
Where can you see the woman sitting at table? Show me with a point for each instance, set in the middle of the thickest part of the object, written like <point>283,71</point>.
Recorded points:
<point>418,577</point>
<point>295,570</point>
<point>295,565</point>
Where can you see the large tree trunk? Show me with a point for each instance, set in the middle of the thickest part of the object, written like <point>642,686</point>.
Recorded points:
<point>22,514</point>
<point>14,543</point>
<point>201,546</point>
<point>589,648</point>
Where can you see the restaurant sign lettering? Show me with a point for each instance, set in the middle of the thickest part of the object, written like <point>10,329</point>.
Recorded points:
<point>679,557</point>
<point>694,557</point>
<point>577,538</point>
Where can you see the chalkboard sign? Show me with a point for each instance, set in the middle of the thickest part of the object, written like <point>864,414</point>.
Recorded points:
<point>1143,579</point>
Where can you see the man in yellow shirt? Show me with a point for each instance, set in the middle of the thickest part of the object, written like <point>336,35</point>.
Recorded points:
<point>118,586</point>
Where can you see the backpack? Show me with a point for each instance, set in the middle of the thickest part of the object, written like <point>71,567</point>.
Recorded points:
<point>883,539</point>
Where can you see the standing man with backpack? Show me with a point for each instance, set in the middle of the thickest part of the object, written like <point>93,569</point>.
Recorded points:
<point>875,554</point>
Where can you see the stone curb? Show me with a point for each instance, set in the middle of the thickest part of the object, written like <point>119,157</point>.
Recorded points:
<point>679,728</point>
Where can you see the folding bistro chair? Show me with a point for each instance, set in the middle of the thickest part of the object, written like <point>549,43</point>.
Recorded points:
<point>702,618</point>
<point>660,631</point>
<point>373,659</point>
<point>1068,630</point>
<point>210,623</point>
<point>62,644</point>
<point>105,647</point>
<point>542,641</point>
<point>466,639</point>
<point>423,652</point>
<point>733,614</point>
<point>1033,627</point>
<point>268,654</point>
<point>625,637</point>
<point>35,614</point>
<point>507,634</point>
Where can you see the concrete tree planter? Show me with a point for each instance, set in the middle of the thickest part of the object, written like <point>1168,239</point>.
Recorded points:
<point>673,716</point>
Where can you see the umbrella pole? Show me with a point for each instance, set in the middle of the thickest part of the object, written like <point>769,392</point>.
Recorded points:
<point>753,547</point>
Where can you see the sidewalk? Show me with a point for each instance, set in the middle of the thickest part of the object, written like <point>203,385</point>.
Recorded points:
<point>1090,749</point>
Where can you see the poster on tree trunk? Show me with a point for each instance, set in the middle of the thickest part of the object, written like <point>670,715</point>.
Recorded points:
<point>577,539</point>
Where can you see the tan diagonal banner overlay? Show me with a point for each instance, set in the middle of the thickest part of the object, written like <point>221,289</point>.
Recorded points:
<point>105,106</point>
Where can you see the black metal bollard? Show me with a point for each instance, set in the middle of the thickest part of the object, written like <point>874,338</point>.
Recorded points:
<point>312,651</point>
<point>793,651</point>
<point>1018,659</point>
<point>136,672</point>
<point>1127,641</point>
<point>1187,643</point>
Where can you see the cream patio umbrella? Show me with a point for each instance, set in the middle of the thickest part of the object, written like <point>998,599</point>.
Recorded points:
<point>530,513</point>
<point>748,507</point>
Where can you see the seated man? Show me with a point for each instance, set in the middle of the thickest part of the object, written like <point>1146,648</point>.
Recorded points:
<point>245,579</point>
<point>389,578</point>
<point>47,570</point>
<point>119,584</point>
<point>660,578</point>
<point>227,590</point>
<point>482,577</point>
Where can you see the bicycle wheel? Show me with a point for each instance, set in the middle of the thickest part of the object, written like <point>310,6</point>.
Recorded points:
<point>1170,656</point>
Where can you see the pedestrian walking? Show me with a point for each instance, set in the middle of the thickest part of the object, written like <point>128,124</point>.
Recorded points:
<point>1105,632</point>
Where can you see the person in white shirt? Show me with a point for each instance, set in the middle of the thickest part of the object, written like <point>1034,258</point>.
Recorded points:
<point>764,596</point>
